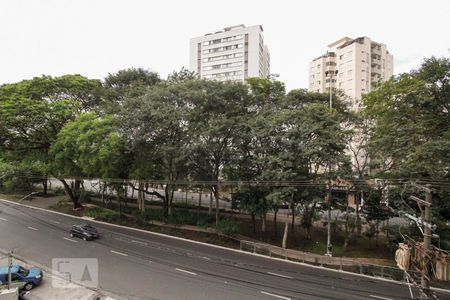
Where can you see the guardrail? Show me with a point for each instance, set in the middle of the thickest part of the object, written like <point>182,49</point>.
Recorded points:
<point>336,263</point>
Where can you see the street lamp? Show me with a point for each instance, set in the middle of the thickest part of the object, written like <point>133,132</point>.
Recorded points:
<point>329,75</point>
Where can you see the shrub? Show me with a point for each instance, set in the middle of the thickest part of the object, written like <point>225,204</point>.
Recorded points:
<point>102,214</point>
<point>183,217</point>
<point>84,196</point>
<point>228,227</point>
<point>15,184</point>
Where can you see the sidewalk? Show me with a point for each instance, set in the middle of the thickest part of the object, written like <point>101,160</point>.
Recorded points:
<point>47,291</point>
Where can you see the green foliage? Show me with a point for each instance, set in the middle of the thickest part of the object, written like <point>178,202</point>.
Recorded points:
<point>89,146</point>
<point>228,227</point>
<point>252,200</point>
<point>129,82</point>
<point>411,113</point>
<point>102,214</point>
<point>373,209</point>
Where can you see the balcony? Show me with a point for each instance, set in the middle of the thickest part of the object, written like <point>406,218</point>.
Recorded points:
<point>375,49</point>
<point>375,72</point>
<point>375,61</point>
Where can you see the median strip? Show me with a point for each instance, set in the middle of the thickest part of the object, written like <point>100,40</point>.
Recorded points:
<point>280,275</point>
<point>184,271</point>
<point>32,228</point>
<point>275,295</point>
<point>119,253</point>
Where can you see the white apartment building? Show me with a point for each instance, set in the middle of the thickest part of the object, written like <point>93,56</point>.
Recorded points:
<point>360,64</point>
<point>234,53</point>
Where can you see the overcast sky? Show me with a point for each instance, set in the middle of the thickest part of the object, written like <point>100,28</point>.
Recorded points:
<point>97,37</point>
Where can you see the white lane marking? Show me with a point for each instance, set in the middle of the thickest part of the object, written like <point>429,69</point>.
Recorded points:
<point>207,258</point>
<point>184,271</point>
<point>56,222</point>
<point>32,228</point>
<point>70,240</point>
<point>379,297</point>
<point>275,295</point>
<point>119,253</point>
<point>280,275</point>
<point>139,242</point>
<point>3,219</point>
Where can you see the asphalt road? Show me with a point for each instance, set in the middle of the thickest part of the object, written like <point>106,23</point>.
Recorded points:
<point>140,265</point>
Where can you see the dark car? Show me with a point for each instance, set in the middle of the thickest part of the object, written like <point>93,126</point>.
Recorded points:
<point>84,231</point>
<point>21,277</point>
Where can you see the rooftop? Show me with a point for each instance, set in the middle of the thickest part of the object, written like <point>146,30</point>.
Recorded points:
<point>235,27</point>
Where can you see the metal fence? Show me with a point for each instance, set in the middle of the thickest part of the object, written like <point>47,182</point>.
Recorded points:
<point>337,263</point>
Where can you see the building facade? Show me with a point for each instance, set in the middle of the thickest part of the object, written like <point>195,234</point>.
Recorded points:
<point>360,64</point>
<point>234,53</point>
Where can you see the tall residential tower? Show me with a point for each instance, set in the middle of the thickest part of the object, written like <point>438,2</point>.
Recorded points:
<point>360,64</point>
<point>234,53</point>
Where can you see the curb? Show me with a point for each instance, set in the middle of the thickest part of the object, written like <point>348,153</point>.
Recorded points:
<point>224,248</point>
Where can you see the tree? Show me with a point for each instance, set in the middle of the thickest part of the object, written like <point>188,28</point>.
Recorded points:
<point>32,112</point>
<point>374,212</point>
<point>126,83</point>
<point>412,121</point>
<point>155,125</point>
<point>88,147</point>
<point>253,143</point>
<point>216,110</point>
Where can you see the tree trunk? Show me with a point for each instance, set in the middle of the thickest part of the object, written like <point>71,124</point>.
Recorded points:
<point>293,219</point>
<point>199,200</point>
<point>376,233</point>
<point>210,204</point>
<point>216,196</point>
<point>72,192</point>
<point>103,189</point>
<point>166,201</point>
<point>286,229</point>
<point>387,230</point>
<point>253,222</point>
<point>358,222</point>
<point>141,196</point>
<point>275,227</point>
<point>125,195</point>
<point>263,223</point>
<point>44,185</point>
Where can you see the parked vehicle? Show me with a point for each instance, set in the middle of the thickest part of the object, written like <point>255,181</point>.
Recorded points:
<point>21,277</point>
<point>84,231</point>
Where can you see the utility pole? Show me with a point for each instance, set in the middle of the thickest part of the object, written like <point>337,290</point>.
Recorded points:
<point>329,246</point>
<point>425,281</point>
<point>427,227</point>
<point>9,268</point>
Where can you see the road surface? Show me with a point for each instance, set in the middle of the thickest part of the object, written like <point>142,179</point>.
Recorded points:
<point>140,265</point>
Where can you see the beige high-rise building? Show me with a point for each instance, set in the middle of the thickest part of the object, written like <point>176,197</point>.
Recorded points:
<point>360,64</point>
<point>234,53</point>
